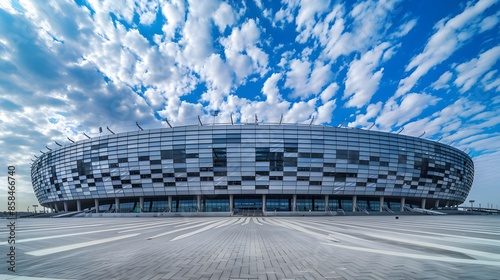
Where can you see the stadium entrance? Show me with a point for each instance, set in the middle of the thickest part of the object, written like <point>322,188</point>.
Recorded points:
<point>248,205</point>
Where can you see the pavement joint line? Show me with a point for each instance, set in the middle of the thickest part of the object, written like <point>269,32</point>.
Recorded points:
<point>230,222</point>
<point>491,256</point>
<point>153,226</point>
<point>180,229</point>
<point>276,250</point>
<point>198,230</point>
<point>415,256</point>
<point>476,239</point>
<point>192,222</point>
<point>64,235</point>
<point>60,249</point>
<point>57,228</point>
<point>256,221</point>
<point>247,220</point>
<point>330,232</point>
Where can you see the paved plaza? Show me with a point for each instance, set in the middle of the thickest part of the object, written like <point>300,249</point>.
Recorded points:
<point>333,247</point>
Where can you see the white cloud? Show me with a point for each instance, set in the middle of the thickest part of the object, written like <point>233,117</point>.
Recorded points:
<point>285,14</point>
<point>217,74</point>
<point>174,14</point>
<point>404,29</point>
<point>369,24</point>
<point>242,52</point>
<point>450,36</point>
<point>68,69</point>
<point>325,111</point>
<point>443,80</point>
<point>297,77</point>
<point>489,81</point>
<point>329,92</point>
<point>362,82</point>
<point>363,120</point>
<point>271,89</point>
<point>489,22</point>
<point>411,106</point>
<point>469,72</point>
<point>301,111</point>
<point>306,17</point>
<point>306,79</point>
<point>224,17</point>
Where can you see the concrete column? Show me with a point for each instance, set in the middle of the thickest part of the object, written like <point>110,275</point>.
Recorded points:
<point>263,203</point>
<point>56,207</point>
<point>198,203</point>
<point>231,203</point>
<point>354,202</point>
<point>423,203</point>
<point>326,202</point>
<point>65,203</point>
<point>96,203</point>
<point>436,205</point>
<point>448,203</point>
<point>141,204</point>
<point>78,205</point>
<point>117,205</point>
<point>169,203</point>
<point>381,204</point>
<point>402,206</point>
<point>294,203</point>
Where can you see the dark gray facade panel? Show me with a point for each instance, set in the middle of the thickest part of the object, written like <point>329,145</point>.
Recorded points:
<point>252,159</point>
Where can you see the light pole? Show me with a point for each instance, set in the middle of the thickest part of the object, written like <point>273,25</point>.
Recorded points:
<point>471,204</point>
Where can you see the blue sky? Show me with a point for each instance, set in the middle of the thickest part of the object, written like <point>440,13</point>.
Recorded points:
<point>68,68</point>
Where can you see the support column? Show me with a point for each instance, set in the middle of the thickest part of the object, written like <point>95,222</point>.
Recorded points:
<point>117,205</point>
<point>169,203</point>
<point>231,203</point>
<point>326,203</point>
<point>448,203</point>
<point>198,203</point>
<point>78,205</point>
<point>423,203</point>
<point>402,206</point>
<point>263,203</point>
<point>381,204</point>
<point>294,203</point>
<point>141,204</point>
<point>65,203</point>
<point>96,203</point>
<point>354,202</point>
<point>56,207</point>
<point>436,205</point>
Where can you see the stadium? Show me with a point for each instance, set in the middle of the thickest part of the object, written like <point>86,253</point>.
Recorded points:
<point>252,167</point>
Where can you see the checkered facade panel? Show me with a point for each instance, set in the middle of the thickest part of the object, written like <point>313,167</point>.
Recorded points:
<point>252,159</point>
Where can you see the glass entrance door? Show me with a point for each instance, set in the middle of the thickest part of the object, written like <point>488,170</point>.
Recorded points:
<point>247,204</point>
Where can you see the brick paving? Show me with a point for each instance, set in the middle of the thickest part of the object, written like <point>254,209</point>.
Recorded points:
<point>412,247</point>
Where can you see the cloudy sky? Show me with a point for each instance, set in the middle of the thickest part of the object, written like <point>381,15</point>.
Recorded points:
<point>68,68</point>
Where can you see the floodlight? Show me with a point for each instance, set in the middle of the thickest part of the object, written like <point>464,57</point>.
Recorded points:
<point>139,126</point>
<point>110,130</point>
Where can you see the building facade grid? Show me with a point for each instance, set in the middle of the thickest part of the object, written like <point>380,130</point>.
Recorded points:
<point>196,165</point>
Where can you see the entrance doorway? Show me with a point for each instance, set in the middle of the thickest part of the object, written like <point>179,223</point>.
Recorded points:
<point>248,205</point>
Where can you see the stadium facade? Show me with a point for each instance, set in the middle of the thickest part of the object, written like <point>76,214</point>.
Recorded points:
<point>231,168</point>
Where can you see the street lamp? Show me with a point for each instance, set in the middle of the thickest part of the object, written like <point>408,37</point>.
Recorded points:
<point>471,204</point>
